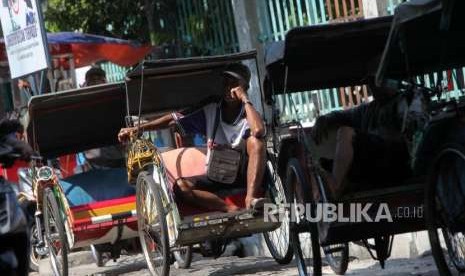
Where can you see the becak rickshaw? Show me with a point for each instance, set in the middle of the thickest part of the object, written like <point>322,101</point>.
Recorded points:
<point>166,221</point>
<point>425,52</point>
<point>97,207</point>
<point>314,58</point>
<point>323,58</point>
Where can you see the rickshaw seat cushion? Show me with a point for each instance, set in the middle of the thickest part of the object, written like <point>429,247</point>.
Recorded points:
<point>184,162</point>
<point>96,185</point>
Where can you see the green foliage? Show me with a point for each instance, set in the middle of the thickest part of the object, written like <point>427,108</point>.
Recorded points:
<point>125,19</point>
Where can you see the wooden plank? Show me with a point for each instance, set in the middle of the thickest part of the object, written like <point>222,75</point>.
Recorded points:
<point>365,93</point>
<point>336,6</point>
<point>342,97</point>
<point>358,95</point>
<point>330,9</point>
<point>360,7</point>
<point>352,7</point>
<point>351,99</point>
<point>344,8</point>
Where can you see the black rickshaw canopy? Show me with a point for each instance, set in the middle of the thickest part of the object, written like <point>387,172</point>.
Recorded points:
<point>172,84</point>
<point>325,56</point>
<point>76,120</point>
<point>80,119</point>
<point>418,41</point>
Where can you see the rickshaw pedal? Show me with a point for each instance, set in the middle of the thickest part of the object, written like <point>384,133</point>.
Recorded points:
<point>249,214</point>
<point>155,227</point>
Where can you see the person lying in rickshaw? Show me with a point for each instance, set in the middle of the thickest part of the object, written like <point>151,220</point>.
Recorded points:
<point>370,146</point>
<point>240,126</point>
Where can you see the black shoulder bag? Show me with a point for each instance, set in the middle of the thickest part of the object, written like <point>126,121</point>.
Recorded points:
<point>224,162</point>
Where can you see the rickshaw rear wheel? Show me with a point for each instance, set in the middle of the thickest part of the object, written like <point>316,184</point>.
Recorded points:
<point>183,257</point>
<point>448,166</point>
<point>299,191</point>
<point>153,235</point>
<point>337,255</point>
<point>277,240</point>
<point>34,256</point>
<point>55,236</point>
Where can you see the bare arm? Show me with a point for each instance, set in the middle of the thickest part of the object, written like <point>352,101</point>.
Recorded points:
<point>164,121</point>
<point>254,119</point>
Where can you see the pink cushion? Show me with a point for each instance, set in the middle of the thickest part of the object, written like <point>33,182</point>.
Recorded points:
<point>185,162</point>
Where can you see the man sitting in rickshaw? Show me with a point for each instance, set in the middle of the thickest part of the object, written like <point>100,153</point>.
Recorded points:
<point>370,145</point>
<point>240,127</point>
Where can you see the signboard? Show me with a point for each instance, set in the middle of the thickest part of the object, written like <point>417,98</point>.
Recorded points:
<point>24,36</point>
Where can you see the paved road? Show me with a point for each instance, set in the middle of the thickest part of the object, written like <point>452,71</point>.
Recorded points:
<point>135,266</point>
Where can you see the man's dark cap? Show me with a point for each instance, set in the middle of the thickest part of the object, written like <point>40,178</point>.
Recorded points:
<point>238,71</point>
<point>95,72</point>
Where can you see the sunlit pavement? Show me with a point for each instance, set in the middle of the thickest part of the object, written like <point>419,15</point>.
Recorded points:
<point>135,265</point>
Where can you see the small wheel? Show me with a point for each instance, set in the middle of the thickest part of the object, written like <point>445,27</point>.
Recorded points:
<point>337,256</point>
<point>303,234</point>
<point>444,208</point>
<point>277,240</point>
<point>97,256</point>
<point>55,236</point>
<point>34,256</point>
<point>183,257</point>
<point>152,226</point>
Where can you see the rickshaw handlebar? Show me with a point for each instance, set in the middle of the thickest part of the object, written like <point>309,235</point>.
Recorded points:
<point>405,85</point>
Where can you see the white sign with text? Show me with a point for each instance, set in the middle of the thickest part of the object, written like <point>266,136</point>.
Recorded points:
<point>23,36</point>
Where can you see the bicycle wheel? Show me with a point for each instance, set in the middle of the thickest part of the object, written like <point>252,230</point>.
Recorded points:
<point>152,227</point>
<point>183,257</point>
<point>55,236</point>
<point>337,255</point>
<point>303,234</point>
<point>444,208</point>
<point>277,240</point>
<point>34,256</point>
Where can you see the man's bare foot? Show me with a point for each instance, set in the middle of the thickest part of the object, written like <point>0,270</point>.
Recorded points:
<point>257,204</point>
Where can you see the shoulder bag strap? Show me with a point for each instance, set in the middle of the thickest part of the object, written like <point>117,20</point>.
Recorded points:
<point>215,127</point>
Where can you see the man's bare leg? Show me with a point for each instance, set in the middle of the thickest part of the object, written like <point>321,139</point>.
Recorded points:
<point>202,198</point>
<point>255,168</point>
<point>342,160</point>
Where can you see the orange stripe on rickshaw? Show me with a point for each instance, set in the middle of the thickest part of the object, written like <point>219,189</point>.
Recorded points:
<point>104,203</point>
<point>95,212</point>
